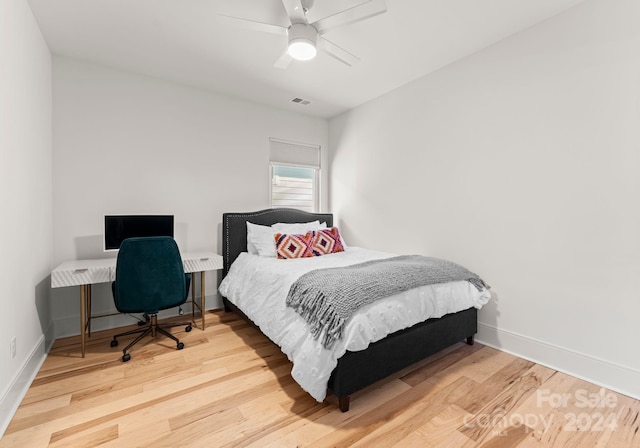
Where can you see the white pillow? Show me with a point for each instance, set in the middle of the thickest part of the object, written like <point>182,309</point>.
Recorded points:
<point>260,239</point>
<point>298,228</point>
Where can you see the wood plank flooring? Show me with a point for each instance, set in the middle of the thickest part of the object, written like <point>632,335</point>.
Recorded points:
<point>231,387</point>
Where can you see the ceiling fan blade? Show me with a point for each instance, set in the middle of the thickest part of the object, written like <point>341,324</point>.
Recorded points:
<point>336,52</point>
<point>255,26</point>
<point>363,11</point>
<point>283,61</point>
<point>295,11</point>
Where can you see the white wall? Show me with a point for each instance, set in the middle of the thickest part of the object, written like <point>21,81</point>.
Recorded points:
<point>25,201</point>
<point>130,144</point>
<point>522,163</point>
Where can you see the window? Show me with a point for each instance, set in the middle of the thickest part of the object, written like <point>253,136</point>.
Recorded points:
<point>294,187</point>
<point>295,170</point>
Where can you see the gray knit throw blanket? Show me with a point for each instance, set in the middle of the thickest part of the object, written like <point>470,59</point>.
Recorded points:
<point>327,298</point>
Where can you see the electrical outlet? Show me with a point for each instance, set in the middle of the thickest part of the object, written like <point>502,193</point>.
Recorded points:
<point>13,347</point>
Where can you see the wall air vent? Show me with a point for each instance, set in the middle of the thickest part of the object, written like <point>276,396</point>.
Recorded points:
<point>300,101</point>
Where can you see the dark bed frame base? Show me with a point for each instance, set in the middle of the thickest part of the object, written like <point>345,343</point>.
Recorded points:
<point>356,370</point>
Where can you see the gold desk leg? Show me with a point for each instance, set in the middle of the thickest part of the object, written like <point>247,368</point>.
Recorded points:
<point>193,298</point>
<point>89,309</point>
<point>83,314</point>
<point>202,297</point>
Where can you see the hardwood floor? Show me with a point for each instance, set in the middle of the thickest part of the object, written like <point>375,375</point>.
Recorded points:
<point>230,386</point>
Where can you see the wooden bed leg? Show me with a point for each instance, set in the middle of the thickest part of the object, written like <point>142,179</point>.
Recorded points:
<point>470,340</point>
<point>343,403</point>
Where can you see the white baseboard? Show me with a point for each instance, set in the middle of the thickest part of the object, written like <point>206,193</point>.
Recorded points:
<point>598,371</point>
<point>21,383</point>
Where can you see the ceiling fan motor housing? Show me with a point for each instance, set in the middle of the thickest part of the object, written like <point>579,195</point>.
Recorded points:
<point>302,41</point>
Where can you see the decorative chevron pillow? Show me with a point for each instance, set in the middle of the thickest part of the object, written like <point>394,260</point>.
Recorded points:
<point>326,241</point>
<point>293,246</point>
<point>312,244</point>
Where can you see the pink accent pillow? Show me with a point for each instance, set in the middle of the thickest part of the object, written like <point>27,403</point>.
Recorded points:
<point>312,244</point>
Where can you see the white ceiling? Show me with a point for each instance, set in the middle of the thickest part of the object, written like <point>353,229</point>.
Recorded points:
<point>184,41</point>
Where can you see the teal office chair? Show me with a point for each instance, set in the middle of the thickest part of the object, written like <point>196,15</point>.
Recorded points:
<point>149,277</point>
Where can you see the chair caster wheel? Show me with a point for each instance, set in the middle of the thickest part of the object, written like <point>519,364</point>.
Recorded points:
<point>114,343</point>
<point>126,357</point>
<point>188,328</point>
<point>180,345</point>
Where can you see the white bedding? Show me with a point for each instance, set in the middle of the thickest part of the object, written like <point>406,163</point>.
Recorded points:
<point>259,287</point>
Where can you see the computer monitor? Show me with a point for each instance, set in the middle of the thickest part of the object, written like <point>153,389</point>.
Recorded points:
<point>117,228</point>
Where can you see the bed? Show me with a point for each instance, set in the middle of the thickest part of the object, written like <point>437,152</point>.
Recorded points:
<point>354,370</point>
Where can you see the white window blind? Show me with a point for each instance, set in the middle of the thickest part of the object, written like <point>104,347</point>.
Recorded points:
<point>294,175</point>
<point>289,153</point>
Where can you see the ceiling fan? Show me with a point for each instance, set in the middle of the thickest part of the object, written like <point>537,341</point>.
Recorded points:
<point>304,38</point>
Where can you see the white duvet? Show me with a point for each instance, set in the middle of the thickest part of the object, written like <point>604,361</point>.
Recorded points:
<point>259,287</point>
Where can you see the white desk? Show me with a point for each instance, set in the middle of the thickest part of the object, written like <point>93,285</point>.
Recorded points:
<point>85,273</point>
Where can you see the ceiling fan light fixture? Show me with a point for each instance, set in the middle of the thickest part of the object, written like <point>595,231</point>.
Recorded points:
<point>302,41</point>
<point>302,50</point>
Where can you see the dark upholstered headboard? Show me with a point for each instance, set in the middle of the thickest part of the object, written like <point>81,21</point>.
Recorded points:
<point>234,228</point>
